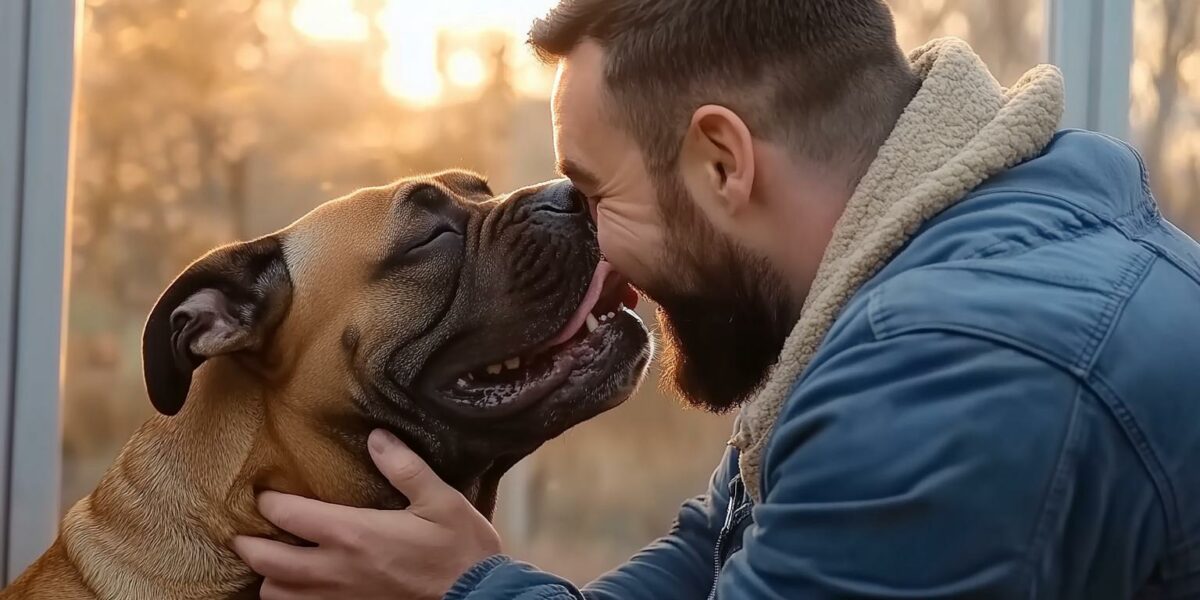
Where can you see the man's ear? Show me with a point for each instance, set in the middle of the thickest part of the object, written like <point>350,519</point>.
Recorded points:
<point>229,301</point>
<point>719,159</point>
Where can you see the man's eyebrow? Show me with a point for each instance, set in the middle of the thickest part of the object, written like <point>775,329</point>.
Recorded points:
<point>580,176</point>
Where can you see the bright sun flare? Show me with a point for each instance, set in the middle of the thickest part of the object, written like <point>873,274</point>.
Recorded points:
<point>411,28</point>
<point>329,20</point>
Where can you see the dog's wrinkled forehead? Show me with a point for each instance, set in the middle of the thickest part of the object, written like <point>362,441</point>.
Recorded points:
<point>342,241</point>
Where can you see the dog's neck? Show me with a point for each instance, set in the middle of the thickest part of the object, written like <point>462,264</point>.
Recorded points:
<point>186,485</point>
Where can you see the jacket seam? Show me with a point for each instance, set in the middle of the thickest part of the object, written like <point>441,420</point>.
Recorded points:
<point>1141,214</point>
<point>1133,273</point>
<point>1063,467</point>
<point>1180,550</point>
<point>1170,255</point>
<point>1056,488</point>
<point>987,335</point>
<point>1075,233</point>
<point>1143,172</point>
<point>1163,485</point>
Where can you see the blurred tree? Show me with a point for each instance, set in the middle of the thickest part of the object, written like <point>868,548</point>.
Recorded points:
<point>1166,103</point>
<point>1008,35</point>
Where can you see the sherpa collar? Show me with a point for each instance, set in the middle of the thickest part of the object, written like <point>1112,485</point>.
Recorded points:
<point>960,129</point>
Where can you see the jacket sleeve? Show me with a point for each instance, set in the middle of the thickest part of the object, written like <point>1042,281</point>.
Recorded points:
<point>920,466</point>
<point>678,565</point>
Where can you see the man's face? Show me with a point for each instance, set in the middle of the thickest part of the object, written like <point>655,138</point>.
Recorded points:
<point>724,311</point>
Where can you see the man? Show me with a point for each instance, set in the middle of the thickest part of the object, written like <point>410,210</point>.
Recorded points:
<point>964,345</point>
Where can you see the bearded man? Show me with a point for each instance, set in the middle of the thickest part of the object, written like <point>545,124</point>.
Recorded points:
<point>964,345</point>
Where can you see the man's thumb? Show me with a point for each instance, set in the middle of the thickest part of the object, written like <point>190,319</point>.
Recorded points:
<point>407,472</point>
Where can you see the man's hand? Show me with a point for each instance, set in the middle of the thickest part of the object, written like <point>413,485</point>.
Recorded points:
<point>363,553</point>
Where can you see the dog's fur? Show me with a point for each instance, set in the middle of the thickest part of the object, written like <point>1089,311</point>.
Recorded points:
<point>345,321</point>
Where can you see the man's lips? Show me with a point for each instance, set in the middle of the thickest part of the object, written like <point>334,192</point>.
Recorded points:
<point>607,289</point>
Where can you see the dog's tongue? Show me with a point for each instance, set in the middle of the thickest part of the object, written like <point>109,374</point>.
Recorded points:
<point>602,280</point>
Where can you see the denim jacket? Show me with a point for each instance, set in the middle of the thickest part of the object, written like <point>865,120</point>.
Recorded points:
<point>1010,408</point>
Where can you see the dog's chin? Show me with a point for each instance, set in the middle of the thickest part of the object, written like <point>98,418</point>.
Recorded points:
<point>555,388</point>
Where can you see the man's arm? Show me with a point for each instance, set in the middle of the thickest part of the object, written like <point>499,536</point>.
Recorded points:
<point>927,465</point>
<point>678,565</point>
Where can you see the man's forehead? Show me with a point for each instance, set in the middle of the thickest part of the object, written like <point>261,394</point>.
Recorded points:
<point>577,92</point>
<point>582,134</point>
<point>580,74</point>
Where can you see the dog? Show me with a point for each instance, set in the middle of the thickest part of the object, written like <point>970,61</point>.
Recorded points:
<point>475,327</point>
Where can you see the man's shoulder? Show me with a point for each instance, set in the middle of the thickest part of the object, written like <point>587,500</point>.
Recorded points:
<point>1047,268</point>
<point>1056,302</point>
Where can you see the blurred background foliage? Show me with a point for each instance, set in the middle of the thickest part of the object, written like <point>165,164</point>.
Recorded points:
<point>201,122</point>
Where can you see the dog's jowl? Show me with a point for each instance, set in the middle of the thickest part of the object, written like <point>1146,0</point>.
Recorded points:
<point>473,326</point>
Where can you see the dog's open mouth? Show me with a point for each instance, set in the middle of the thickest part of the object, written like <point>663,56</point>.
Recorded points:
<point>591,350</point>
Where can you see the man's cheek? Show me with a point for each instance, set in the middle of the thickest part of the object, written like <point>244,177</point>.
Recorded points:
<point>622,250</point>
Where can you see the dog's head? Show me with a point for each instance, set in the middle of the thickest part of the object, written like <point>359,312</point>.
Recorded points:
<point>474,326</point>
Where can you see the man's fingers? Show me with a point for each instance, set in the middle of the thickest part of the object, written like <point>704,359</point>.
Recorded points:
<point>308,519</point>
<point>282,562</point>
<point>426,492</point>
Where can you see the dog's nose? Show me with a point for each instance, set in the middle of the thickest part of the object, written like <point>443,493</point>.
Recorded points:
<point>561,198</point>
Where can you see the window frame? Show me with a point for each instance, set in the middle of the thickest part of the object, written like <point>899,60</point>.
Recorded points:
<point>37,60</point>
<point>37,76</point>
<point>1082,37</point>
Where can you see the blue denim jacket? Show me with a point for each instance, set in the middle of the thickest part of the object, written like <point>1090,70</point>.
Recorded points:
<point>1009,409</point>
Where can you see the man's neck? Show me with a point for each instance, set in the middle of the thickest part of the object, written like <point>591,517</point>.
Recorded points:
<point>804,225</point>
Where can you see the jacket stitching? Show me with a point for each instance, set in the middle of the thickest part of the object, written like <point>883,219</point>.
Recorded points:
<point>1046,237</point>
<point>1175,259</point>
<point>1133,272</point>
<point>986,335</point>
<point>1056,489</point>
<point>883,325</point>
<point>1152,465</point>
<point>1139,214</point>
<point>1056,485</point>
<point>1142,170</point>
<point>1133,275</point>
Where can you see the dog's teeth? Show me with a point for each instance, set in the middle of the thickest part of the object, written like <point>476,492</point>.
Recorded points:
<point>495,369</point>
<point>513,363</point>
<point>462,383</point>
<point>592,323</point>
<point>603,318</point>
<point>612,315</point>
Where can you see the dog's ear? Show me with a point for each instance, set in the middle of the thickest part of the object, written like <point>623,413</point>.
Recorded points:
<point>229,301</point>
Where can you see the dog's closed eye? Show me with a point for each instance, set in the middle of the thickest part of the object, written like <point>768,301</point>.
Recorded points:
<point>442,233</point>
<point>442,237</point>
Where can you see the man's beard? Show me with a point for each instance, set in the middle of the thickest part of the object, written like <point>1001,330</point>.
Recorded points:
<point>723,327</point>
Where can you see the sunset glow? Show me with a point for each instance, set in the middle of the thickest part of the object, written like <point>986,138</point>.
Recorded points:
<point>466,69</point>
<point>410,69</point>
<point>329,20</point>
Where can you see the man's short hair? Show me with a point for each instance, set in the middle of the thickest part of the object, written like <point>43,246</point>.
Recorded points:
<point>825,77</point>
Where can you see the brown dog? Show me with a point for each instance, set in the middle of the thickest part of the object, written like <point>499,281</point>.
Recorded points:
<point>428,307</point>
